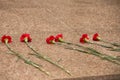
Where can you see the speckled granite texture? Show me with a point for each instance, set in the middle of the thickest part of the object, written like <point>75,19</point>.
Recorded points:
<point>42,18</point>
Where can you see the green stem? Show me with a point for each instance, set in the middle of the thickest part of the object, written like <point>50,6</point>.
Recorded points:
<point>114,44</point>
<point>91,49</point>
<point>69,43</point>
<point>47,59</point>
<point>98,55</point>
<point>117,49</point>
<point>109,47</point>
<point>111,57</point>
<point>27,61</point>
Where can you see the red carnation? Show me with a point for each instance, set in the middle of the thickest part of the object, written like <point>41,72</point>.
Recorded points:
<point>6,39</point>
<point>50,40</point>
<point>96,37</point>
<point>84,38</point>
<point>25,37</point>
<point>59,38</point>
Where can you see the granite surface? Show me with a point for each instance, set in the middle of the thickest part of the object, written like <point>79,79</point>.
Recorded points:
<point>72,18</point>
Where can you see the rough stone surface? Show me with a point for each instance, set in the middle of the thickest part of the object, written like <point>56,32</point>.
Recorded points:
<point>72,18</point>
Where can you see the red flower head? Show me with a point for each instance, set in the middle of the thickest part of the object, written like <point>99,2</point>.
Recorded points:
<point>6,39</point>
<point>25,37</point>
<point>59,38</point>
<point>50,40</point>
<point>84,38</point>
<point>96,37</point>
